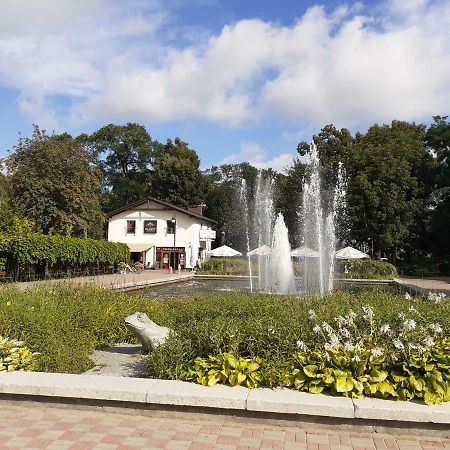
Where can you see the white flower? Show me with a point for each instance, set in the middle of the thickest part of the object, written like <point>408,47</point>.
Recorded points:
<point>356,358</point>
<point>429,341</point>
<point>409,324</point>
<point>301,345</point>
<point>327,328</point>
<point>334,340</point>
<point>412,309</point>
<point>398,344</point>
<point>368,312</point>
<point>270,330</point>
<point>407,296</point>
<point>349,346</point>
<point>344,332</point>
<point>317,329</point>
<point>436,328</point>
<point>377,352</point>
<point>385,329</point>
<point>312,315</point>
<point>435,297</point>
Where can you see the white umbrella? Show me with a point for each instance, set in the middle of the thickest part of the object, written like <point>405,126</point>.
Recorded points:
<point>304,252</point>
<point>263,250</point>
<point>225,251</point>
<point>350,253</point>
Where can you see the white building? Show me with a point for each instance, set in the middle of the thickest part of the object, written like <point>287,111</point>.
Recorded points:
<point>160,234</point>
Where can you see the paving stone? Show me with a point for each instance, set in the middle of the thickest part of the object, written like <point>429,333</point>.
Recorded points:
<point>56,428</point>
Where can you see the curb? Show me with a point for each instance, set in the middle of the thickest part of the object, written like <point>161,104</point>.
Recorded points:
<point>154,394</point>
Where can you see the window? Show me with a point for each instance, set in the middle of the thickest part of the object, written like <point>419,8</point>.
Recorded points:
<point>170,227</point>
<point>131,227</point>
<point>150,226</point>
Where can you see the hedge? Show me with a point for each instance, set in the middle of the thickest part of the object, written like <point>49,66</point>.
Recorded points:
<point>40,254</point>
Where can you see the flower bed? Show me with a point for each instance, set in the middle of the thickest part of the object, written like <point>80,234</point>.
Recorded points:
<point>370,343</point>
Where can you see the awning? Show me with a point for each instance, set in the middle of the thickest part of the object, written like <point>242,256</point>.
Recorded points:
<point>137,248</point>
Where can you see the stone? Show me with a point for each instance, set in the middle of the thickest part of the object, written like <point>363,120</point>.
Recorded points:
<point>146,330</point>
<point>181,393</point>
<point>287,401</point>
<point>380,409</point>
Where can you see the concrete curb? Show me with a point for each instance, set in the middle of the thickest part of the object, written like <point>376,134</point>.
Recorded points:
<point>159,393</point>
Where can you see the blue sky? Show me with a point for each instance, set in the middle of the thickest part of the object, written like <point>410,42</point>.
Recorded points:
<point>240,81</point>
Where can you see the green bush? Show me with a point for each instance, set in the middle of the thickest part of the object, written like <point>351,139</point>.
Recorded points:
<point>367,269</point>
<point>225,266</point>
<point>38,254</point>
<point>65,322</point>
<point>270,341</point>
<point>14,356</point>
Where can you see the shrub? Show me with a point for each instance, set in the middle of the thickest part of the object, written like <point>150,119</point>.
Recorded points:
<point>276,339</point>
<point>367,269</point>
<point>225,266</point>
<point>38,254</point>
<point>65,322</point>
<point>14,356</point>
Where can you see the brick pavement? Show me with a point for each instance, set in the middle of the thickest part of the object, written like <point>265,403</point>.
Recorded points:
<point>40,426</point>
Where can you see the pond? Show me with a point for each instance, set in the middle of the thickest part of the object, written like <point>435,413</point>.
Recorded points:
<point>207,286</point>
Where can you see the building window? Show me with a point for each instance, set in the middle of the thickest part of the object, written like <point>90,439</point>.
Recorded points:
<point>170,227</point>
<point>150,226</point>
<point>131,227</point>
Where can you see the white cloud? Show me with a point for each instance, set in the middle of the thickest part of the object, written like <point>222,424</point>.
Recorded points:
<point>345,67</point>
<point>255,155</point>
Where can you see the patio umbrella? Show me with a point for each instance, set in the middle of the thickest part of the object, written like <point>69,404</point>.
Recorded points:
<point>304,252</point>
<point>224,251</point>
<point>263,250</point>
<point>350,253</point>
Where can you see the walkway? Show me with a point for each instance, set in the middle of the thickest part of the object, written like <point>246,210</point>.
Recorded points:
<point>34,426</point>
<point>434,284</point>
<point>121,281</point>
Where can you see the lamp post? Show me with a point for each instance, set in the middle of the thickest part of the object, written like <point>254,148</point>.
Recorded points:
<point>174,223</point>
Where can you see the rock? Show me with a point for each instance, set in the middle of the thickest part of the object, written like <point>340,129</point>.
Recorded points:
<point>146,330</point>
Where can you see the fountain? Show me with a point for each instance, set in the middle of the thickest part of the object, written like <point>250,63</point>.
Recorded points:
<point>319,227</point>
<point>274,263</point>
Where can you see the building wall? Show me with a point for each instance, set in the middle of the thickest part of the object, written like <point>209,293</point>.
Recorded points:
<point>187,231</point>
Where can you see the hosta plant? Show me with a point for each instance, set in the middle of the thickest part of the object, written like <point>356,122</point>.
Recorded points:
<point>225,369</point>
<point>15,356</point>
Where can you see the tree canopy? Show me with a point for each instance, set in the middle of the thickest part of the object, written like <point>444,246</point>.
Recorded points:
<point>54,182</point>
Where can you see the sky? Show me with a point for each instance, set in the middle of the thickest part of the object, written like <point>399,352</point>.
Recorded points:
<point>238,80</point>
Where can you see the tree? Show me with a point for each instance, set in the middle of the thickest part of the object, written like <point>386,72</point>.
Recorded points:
<point>387,184</point>
<point>176,176</point>
<point>288,198</point>
<point>438,140</point>
<point>127,153</point>
<point>55,183</point>
<point>6,214</point>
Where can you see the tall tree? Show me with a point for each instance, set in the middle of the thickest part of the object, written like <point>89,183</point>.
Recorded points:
<point>438,140</point>
<point>288,198</point>
<point>176,174</point>
<point>5,208</point>
<point>387,188</point>
<point>54,182</point>
<point>127,153</point>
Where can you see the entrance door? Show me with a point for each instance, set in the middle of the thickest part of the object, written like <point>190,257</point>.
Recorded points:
<point>166,260</point>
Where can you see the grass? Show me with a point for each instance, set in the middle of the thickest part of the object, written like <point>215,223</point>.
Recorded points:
<point>65,322</point>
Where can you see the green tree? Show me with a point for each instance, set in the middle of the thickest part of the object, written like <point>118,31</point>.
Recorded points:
<point>388,190</point>
<point>438,140</point>
<point>176,175</point>
<point>127,153</point>
<point>55,183</point>
<point>288,198</point>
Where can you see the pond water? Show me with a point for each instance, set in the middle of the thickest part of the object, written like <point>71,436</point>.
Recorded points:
<point>207,286</point>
